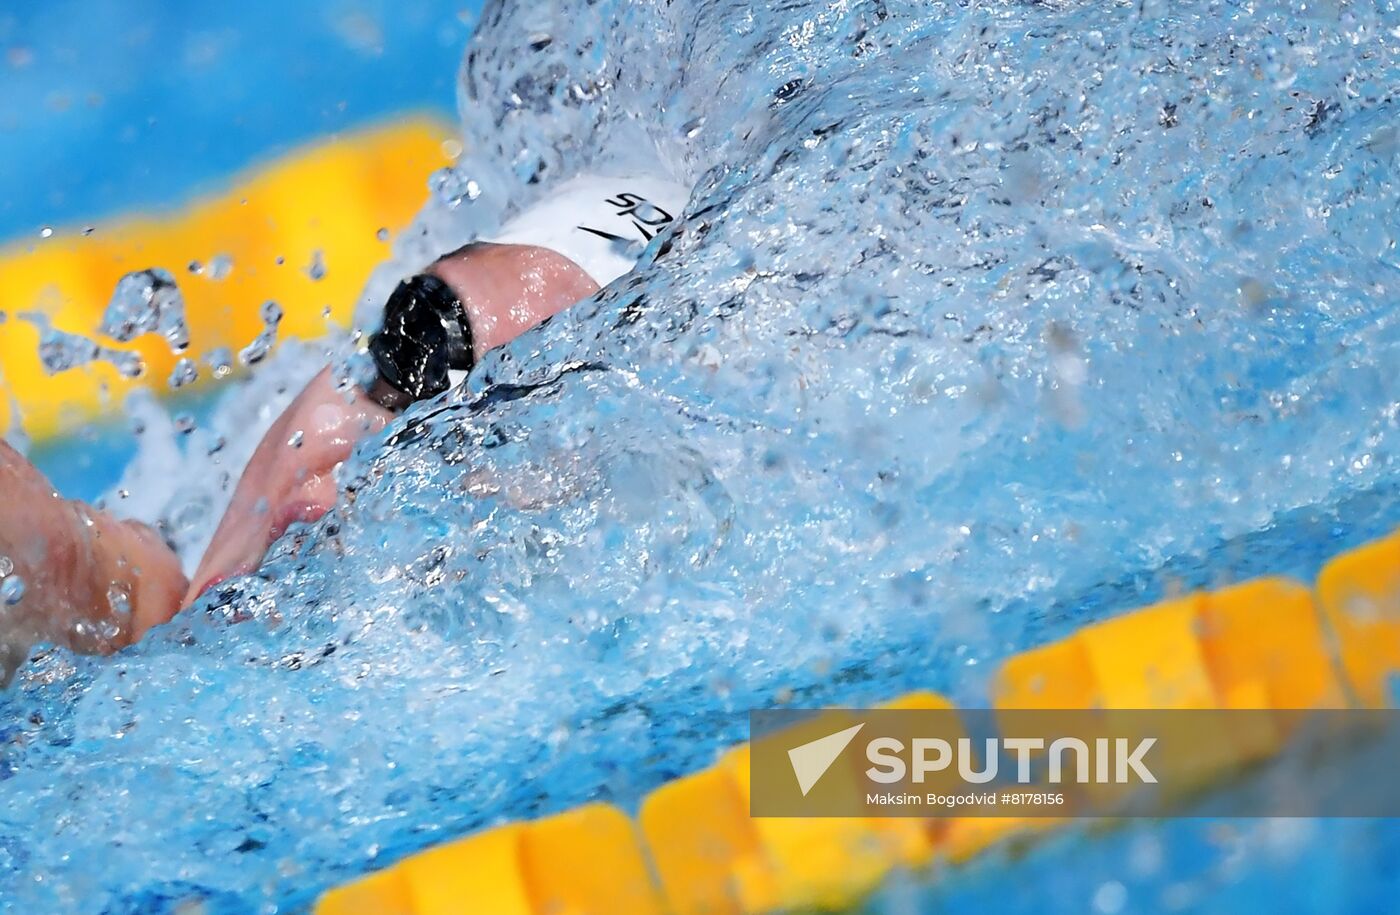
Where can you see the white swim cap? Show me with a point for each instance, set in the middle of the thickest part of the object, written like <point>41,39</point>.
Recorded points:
<point>598,222</point>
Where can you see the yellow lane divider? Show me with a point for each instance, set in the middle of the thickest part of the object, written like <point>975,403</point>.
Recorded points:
<point>1270,643</point>
<point>304,231</point>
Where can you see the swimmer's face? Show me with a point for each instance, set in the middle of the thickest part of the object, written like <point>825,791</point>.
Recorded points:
<point>504,289</point>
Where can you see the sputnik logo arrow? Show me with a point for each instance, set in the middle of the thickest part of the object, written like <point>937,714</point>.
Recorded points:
<point>811,760</point>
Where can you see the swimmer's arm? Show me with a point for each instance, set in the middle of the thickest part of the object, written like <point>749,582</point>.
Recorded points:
<point>504,289</point>
<point>89,581</point>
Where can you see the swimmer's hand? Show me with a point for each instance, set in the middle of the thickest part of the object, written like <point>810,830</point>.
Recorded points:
<point>84,579</point>
<point>291,476</point>
<point>504,289</point>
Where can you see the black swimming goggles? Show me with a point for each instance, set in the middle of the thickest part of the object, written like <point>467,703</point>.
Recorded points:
<point>425,335</point>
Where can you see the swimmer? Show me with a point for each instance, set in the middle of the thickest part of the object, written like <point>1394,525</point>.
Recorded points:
<point>502,290</point>
<point>96,584</point>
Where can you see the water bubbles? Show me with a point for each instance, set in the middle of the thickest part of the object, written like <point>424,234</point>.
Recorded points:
<point>316,270</point>
<point>185,372</point>
<point>453,188</point>
<point>147,301</point>
<point>1110,898</point>
<point>220,361</point>
<point>11,590</point>
<point>60,351</point>
<point>128,365</point>
<point>219,267</point>
<point>119,600</point>
<point>257,350</point>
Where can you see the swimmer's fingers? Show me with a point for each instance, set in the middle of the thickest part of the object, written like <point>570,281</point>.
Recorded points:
<point>317,432</point>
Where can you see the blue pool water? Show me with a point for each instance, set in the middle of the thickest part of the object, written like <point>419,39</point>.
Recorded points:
<point>112,105</point>
<point>984,320</point>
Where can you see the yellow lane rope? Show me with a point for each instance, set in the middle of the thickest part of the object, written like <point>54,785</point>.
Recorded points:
<point>1269,643</point>
<point>324,203</point>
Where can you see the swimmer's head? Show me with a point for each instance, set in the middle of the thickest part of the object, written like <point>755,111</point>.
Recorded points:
<point>468,302</point>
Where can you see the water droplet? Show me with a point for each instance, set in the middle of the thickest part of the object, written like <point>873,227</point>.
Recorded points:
<point>11,590</point>
<point>147,301</point>
<point>60,351</point>
<point>452,187</point>
<point>184,373</point>
<point>257,350</point>
<point>317,268</point>
<point>120,601</point>
<point>185,423</point>
<point>382,234</point>
<point>46,232</point>
<point>1110,897</point>
<point>220,360</point>
<point>219,267</point>
<point>297,438</point>
<point>129,365</point>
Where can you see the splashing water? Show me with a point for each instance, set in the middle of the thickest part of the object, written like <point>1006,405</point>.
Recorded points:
<point>261,345</point>
<point>60,351</point>
<point>975,309</point>
<point>184,372</point>
<point>147,301</point>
